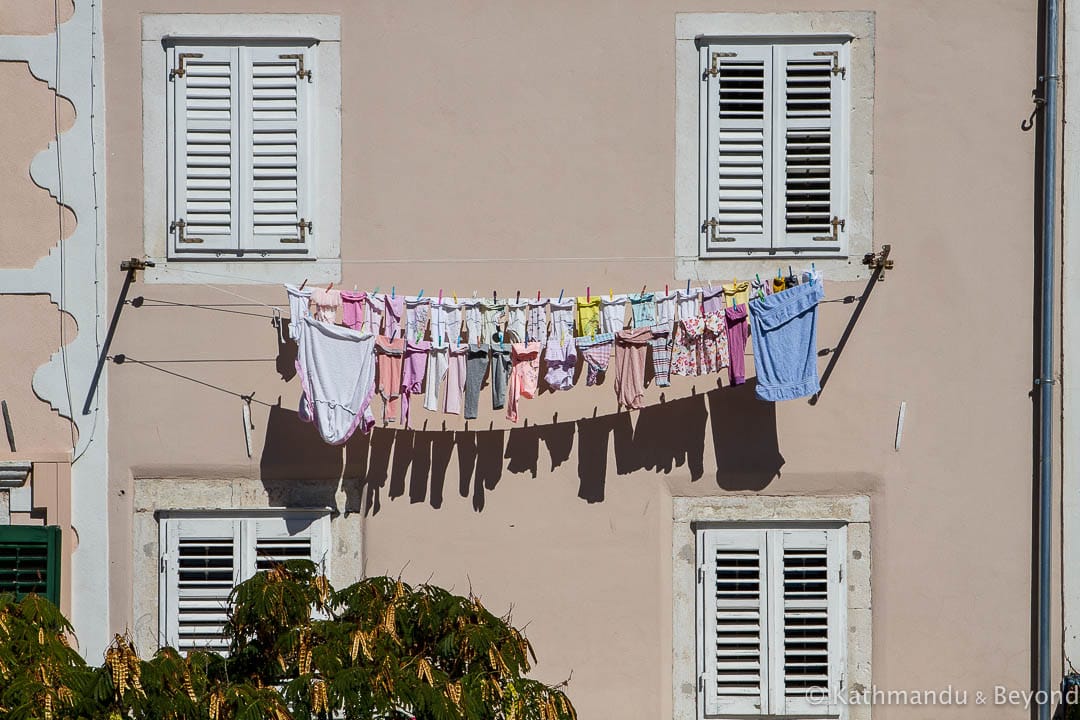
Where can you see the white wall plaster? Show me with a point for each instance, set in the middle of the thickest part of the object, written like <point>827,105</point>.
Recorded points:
<point>73,276</point>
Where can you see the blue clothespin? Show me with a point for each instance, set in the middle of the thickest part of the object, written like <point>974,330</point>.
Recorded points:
<point>421,294</point>
<point>393,291</point>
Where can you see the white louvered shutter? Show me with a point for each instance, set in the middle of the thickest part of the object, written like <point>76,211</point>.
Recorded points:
<point>737,144</point>
<point>275,130</point>
<point>276,539</point>
<point>811,139</point>
<point>204,153</point>
<point>200,569</point>
<point>735,633</point>
<point>806,653</point>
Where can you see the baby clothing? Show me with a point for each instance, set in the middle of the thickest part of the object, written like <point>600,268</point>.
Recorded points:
<point>686,347</point>
<point>560,359</point>
<point>376,306</point>
<point>631,347</point>
<point>473,321</point>
<point>613,314</point>
<point>515,321</point>
<point>352,309</point>
<point>438,361</point>
<point>588,317</point>
<point>395,306</point>
<point>791,281</point>
<point>643,309</point>
<point>660,342</point>
<point>523,376</point>
<point>388,355</point>
<point>476,365</point>
<point>536,322</point>
<point>500,369</point>
<point>737,291</point>
<point>417,312</point>
<point>562,319</point>
<point>712,300</point>
<point>456,374</point>
<point>412,374</point>
<point>299,308</point>
<point>597,353</point>
<point>445,321</point>
<point>784,331</point>
<point>327,303</point>
<point>738,332</point>
<point>759,288</point>
<point>492,313</point>
<point>778,285</point>
<point>337,372</point>
<point>665,310</point>
<point>687,303</point>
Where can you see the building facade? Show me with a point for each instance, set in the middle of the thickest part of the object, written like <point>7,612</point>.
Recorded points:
<point>524,149</point>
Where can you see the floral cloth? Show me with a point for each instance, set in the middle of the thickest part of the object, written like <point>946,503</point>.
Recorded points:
<point>700,345</point>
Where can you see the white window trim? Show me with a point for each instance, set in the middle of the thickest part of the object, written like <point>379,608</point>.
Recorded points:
<point>318,522</point>
<point>766,27</point>
<point>691,513</point>
<point>159,30</point>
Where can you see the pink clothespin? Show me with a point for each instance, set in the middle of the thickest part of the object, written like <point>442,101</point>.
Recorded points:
<point>588,295</point>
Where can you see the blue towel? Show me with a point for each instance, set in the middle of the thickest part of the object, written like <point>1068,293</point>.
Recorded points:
<point>784,331</point>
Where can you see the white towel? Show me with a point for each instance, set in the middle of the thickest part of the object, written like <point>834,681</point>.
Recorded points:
<point>337,370</point>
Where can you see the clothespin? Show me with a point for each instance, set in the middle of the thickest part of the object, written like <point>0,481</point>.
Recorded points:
<point>421,294</point>
<point>642,294</point>
<point>494,296</point>
<point>588,294</point>
<point>303,284</point>
<point>610,295</point>
<point>688,286</point>
<point>779,273</point>
<point>666,293</point>
<point>393,291</point>
<point>276,322</point>
<point>355,287</point>
<point>537,296</point>
<point>375,291</point>
<point>455,299</point>
<point>440,296</point>
<point>518,296</point>
<point>330,287</point>
<point>758,276</point>
<point>248,424</point>
<point>560,295</point>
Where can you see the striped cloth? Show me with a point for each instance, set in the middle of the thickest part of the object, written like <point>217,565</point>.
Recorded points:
<point>661,354</point>
<point>596,349</point>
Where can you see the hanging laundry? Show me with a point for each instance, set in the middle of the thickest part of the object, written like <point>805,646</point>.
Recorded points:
<point>738,332</point>
<point>412,374</point>
<point>643,309</point>
<point>791,281</point>
<point>417,312</point>
<point>560,359</point>
<point>524,375</point>
<point>515,320</point>
<point>778,285</point>
<point>686,342</point>
<point>811,274</point>
<point>737,291</point>
<point>597,353</point>
<point>500,370</point>
<point>389,354</point>
<point>562,319</point>
<point>473,319</point>
<point>327,304</point>
<point>476,365</point>
<point>759,288</point>
<point>588,317</point>
<point>536,324</point>
<point>714,341</point>
<point>395,308</point>
<point>352,309</point>
<point>784,332</point>
<point>631,348</point>
<point>660,342</point>
<point>438,361</point>
<point>299,308</point>
<point>493,316</point>
<point>445,321</point>
<point>376,306</point>
<point>337,372</point>
<point>456,375</point>
<point>613,313</point>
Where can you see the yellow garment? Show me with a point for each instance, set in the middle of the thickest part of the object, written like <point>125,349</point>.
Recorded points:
<point>739,291</point>
<point>588,316</point>
<point>778,285</point>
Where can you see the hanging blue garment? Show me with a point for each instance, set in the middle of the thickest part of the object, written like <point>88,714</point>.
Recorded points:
<point>784,331</point>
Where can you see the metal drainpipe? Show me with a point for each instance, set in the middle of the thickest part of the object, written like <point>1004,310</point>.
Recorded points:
<point>1045,382</point>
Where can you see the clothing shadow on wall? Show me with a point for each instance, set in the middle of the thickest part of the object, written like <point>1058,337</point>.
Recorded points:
<point>285,362</point>
<point>744,438</point>
<point>297,468</point>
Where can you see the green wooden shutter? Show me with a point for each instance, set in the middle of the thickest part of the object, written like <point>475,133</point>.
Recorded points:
<point>30,561</point>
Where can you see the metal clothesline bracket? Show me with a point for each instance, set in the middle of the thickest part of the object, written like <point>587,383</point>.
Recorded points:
<point>879,262</point>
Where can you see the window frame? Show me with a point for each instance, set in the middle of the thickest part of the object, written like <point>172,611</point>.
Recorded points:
<point>245,540</point>
<point>771,539</point>
<point>692,29</point>
<point>321,263</point>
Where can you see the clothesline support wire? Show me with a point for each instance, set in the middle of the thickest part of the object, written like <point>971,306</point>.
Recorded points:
<point>121,359</point>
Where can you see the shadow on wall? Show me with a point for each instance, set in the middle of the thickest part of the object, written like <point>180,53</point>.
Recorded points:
<point>392,463</point>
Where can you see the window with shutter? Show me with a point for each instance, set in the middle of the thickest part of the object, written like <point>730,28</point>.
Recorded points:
<point>771,614</point>
<point>30,561</point>
<point>205,555</point>
<point>773,137</point>
<point>239,150</point>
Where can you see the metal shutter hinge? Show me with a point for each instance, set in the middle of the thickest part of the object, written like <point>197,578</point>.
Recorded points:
<point>714,69</point>
<point>710,226</point>
<point>299,58</point>
<point>305,226</point>
<point>836,69</point>
<point>180,70</point>
<point>177,226</point>
<point>837,225</point>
